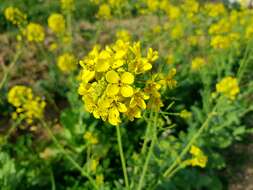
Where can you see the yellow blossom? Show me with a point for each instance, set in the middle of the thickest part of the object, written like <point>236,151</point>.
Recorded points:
<point>197,63</point>
<point>14,15</point>
<point>123,35</point>
<point>28,106</point>
<point>67,5</point>
<point>104,12</point>
<point>34,32</point>
<point>229,87</point>
<point>108,75</point>
<point>199,158</point>
<point>56,23</point>
<point>67,62</point>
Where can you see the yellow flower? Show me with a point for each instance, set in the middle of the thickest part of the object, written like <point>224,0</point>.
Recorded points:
<point>108,81</point>
<point>229,87</point>
<point>123,35</point>
<point>56,23</point>
<point>220,42</point>
<point>153,5</point>
<point>120,84</point>
<point>104,12</point>
<point>14,15</point>
<point>170,59</point>
<point>173,12</point>
<point>67,62</point>
<point>249,32</point>
<point>199,159</point>
<point>197,63</point>
<point>215,9</point>
<point>28,106</point>
<point>177,32</point>
<point>34,32</point>
<point>67,5</point>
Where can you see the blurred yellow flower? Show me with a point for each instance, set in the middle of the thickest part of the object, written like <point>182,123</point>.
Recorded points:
<point>197,63</point>
<point>104,12</point>
<point>229,87</point>
<point>123,35</point>
<point>14,15</point>
<point>34,32</point>
<point>56,23</point>
<point>67,62</point>
<point>199,158</point>
<point>67,5</point>
<point>28,106</point>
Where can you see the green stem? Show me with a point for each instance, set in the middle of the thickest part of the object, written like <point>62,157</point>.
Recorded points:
<point>144,146</point>
<point>190,143</point>
<point>9,68</point>
<point>52,179</point>
<point>245,61</point>
<point>145,167</point>
<point>123,163</point>
<point>69,28</point>
<point>77,166</point>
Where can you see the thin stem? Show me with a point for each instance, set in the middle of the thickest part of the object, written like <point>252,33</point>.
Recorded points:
<point>145,167</point>
<point>244,63</point>
<point>190,143</point>
<point>123,163</point>
<point>52,179</point>
<point>69,28</point>
<point>77,166</point>
<point>8,69</point>
<point>144,146</point>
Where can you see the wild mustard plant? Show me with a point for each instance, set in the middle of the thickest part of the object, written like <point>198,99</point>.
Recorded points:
<point>109,81</point>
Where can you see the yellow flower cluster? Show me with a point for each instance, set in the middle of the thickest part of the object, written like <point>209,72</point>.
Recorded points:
<point>215,9</point>
<point>223,41</point>
<point>67,5</point>
<point>109,81</point>
<point>229,87</point>
<point>199,158</point>
<point>56,23</point>
<point>14,15</point>
<point>197,63</point>
<point>104,12</point>
<point>34,32</point>
<point>28,106</point>
<point>67,62</point>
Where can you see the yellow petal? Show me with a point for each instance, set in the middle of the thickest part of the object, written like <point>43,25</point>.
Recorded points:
<point>112,89</point>
<point>127,91</point>
<point>127,78</point>
<point>112,76</point>
<point>147,66</point>
<point>102,66</point>
<point>122,107</point>
<point>113,117</point>
<point>87,75</point>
